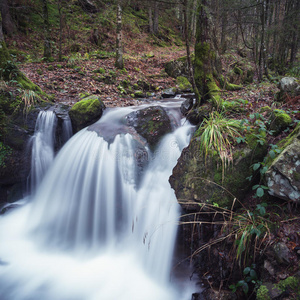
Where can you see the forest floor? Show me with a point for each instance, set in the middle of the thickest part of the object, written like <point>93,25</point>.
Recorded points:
<point>67,83</point>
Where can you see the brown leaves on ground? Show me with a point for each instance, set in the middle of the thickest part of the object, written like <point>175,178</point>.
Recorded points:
<point>66,82</point>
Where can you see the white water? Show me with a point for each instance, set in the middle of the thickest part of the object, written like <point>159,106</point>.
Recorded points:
<point>91,232</point>
<point>67,131</point>
<point>42,147</point>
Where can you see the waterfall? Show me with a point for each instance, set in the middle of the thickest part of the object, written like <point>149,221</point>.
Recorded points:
<point>102,223</point>
<point>42,147</point>
<point>67,131</point>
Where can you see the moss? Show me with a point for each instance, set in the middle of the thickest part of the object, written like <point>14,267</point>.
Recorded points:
<point>265,109</point>
<point>233,87</point>
<point>263,293</point>
<point>238,71</point>
<point>28,84</point>
<point>183,84</point>
<point>291,283</point>
<point>201,55</point>
<point>86,112</point>
<point>280,120</point>
<point>138,94</point>
<point>296,176</point>
<point>213,91</point>
<point>99,70</point>
<point>5,152</point>
<point>232,106</point>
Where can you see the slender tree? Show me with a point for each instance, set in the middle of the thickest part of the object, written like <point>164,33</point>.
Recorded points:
<point>47,40</point>
<point>188,52</point>
<point>119,63</point>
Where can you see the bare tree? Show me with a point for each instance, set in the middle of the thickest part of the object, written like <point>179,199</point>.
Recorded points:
<point>119,63</point>
<point>47,41</point>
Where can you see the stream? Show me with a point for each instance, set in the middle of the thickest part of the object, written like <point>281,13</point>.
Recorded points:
<point>101,220</point>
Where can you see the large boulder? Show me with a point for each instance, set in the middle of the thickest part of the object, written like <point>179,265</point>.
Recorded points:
<point>152,123</point>
<point>178,67</point>
<point>197,180</point>
<point>86,112</point>
<point>283,175</point>
<point>289,87</point>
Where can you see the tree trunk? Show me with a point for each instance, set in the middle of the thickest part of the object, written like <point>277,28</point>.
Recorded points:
<point>155,18</point>
<point>47,42</point>
<point>119,47</point>
<point>7,22</point>
<point>59,6</point>
<point>188,54</point>
<point>4,55</point>
<point>150,19</point>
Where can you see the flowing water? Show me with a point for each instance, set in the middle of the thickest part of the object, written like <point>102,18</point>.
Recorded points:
<point>102,223</point>
<point>42,147</point>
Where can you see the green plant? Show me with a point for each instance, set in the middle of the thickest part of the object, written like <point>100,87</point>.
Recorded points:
<point>4,152</point>
<point>249,231</point>
<point>217,134</point>
<point>29,98</point>
<point>250,228</point>
<point>250,276</point>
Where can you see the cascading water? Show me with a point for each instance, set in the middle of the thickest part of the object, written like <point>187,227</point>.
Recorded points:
<point>102,224</point>
<point>67,131</point>
<point>42,147</point>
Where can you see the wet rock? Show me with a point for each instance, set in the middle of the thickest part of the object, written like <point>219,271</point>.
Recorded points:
<point>186,106</point>
<point>86,112</point>
<point>283,175</point>
<point>199,180</point>
<point>151,123</point>
<point>267,291</point>
<point>168,93</point>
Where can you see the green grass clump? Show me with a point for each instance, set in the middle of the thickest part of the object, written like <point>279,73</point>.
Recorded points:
<point>217,134</point>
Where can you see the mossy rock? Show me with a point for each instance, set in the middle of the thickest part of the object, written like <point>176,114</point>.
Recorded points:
<point>283,175</point>
<point>183,84</point>
<point>289,88</point>
<point>139,94</point>
<point>280,120</point>
<point>178,67</point>
<point>199,180</point>
<point>86,112</point>
<point>269,291</point>
<point>151,123</point>
<point>233,106</point>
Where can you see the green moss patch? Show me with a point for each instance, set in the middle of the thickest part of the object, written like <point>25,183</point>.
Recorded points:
<point>86,112</point>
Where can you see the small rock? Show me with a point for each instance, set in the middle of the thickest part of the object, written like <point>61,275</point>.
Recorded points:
<point>281,252</point>
<point>268,266</point>
<point>168,93</point>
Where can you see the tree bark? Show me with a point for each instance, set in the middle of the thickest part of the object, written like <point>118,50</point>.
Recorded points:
<point>119,47</point>
<point>155,17</point>
<point>47,42</point>
<point>150,19</point>
<point>59,7</point>
<point>8,25</point>
<point>188,54</point>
